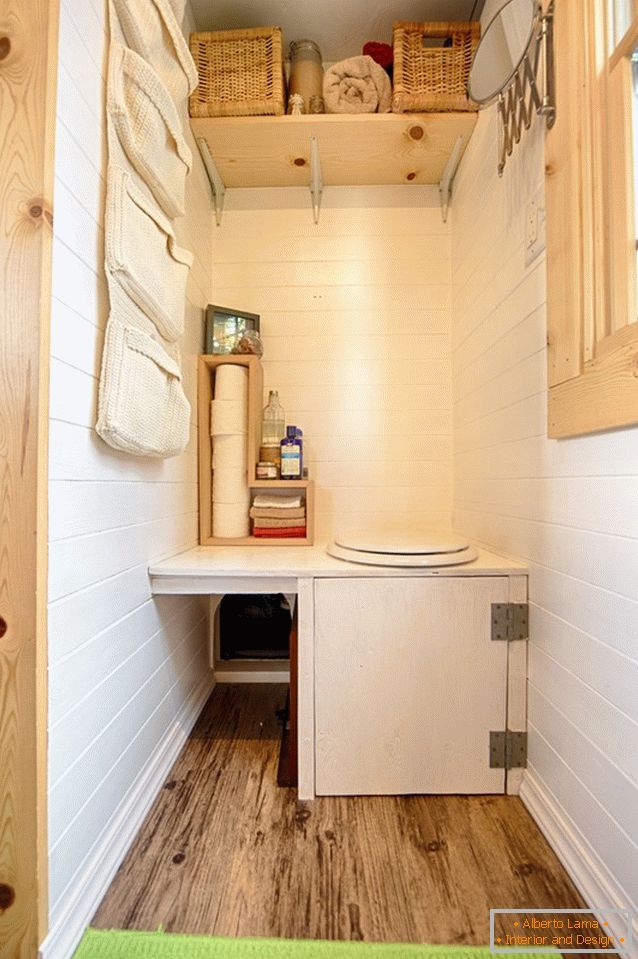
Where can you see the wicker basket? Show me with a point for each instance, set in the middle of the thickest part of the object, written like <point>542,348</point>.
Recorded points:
<point>240,73</point>
<point>433,77</point>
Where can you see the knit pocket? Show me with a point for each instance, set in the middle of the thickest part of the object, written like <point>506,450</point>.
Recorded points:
<point>142,406</point>
<point>148,127</point>
<point>151,29</point>
<point>141,253</point>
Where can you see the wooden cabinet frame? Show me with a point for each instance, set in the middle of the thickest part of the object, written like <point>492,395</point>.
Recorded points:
<point>591,248</point>
<point>28,70</point>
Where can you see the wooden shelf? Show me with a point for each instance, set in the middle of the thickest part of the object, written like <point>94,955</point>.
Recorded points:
<point>205,389</point>
<point>366,149</point>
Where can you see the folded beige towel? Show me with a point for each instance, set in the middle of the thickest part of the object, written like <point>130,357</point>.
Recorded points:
<point>265,512</point>
<point>273,501</point>
<point>357,85</point>
<point>278,523</point>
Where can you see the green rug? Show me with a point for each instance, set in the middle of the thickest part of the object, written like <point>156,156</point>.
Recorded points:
<point>125,944</point>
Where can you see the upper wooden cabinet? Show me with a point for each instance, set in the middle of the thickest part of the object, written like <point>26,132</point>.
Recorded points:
<point>591,220</point>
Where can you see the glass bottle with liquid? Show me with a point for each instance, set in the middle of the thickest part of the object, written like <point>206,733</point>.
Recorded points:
<point>306,75</point>
<point>292,454</point>
<point>273,427</point>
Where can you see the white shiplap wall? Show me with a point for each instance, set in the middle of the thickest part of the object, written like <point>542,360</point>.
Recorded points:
<point>124,668</point>
<point>567,507</point>
<point>355,317</point>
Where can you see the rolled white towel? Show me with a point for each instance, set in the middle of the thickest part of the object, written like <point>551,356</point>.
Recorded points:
<point>357,85</point>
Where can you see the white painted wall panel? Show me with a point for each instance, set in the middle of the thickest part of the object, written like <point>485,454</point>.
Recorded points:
<point>77,285</point>
<point>606,843</point>
<point>567,507</point>
<point>603,724</point>
<point>122,665</point>
<point>148,714</point>
<point>79,455</point>
<point>77,508</point>
<point>355,318</point>
<point>605,669</point>
<point>83,722</point>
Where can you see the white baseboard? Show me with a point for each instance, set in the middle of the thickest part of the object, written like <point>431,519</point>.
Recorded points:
<point>92,883</point>
<point>595,883</point>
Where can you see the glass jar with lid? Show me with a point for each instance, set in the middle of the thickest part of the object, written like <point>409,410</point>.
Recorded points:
<point>306,74</point>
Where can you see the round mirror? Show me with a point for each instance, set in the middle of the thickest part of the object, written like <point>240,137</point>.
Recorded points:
<point>502,48</point>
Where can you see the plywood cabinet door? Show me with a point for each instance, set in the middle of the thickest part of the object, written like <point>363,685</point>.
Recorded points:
<point>408,685</point>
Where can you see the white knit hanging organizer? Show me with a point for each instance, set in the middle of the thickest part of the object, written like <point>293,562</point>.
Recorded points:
<point>148,127</point>
<point>143,409</point>
<point>143,256</point>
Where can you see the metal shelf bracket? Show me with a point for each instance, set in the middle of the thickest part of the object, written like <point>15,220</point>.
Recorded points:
<point>216,183</point>
<point>447,180</point>
<point>316,181</point>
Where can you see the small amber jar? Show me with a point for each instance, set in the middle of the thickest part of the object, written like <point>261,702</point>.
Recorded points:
<point>271,454</point>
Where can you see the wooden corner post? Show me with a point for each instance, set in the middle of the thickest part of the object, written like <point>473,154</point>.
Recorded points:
<point>28,72</point>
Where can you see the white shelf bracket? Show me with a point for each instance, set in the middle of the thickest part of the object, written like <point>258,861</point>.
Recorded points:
<point>316,182</point>
<point>445,185</point>
<point>216,182</point>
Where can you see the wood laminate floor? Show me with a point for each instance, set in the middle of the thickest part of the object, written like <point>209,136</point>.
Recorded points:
<point>224,851</point>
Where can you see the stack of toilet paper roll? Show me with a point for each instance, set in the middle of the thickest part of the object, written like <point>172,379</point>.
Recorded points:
<point>228,428</point>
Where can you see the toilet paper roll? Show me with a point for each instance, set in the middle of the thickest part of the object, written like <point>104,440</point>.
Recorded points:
<point>231,383</point>
<point>229,487</point>
<point>230,521</point>
<point>228,417</point>
<point>230,452</point>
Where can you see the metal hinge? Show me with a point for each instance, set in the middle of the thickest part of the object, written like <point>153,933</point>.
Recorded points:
<point>508,750</point>
<point>510,621</point>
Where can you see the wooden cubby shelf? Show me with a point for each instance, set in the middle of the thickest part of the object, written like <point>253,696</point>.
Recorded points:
<point>205,390</point>
<point>365,149</point>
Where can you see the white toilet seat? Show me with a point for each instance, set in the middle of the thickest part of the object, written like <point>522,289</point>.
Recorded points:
<point>401,546</point>
<point>397,539</point>
<point>412,560</point>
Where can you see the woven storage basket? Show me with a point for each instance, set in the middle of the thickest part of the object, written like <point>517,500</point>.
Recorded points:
<point>433,77</point>
<point>241,73</point>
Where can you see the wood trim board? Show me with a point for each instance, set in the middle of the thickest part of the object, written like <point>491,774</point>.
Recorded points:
<point>28,86</point>
<point>567,272</point>
<point>591,260</point>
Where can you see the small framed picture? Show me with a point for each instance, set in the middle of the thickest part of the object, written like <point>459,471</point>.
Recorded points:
<point>224,326</point>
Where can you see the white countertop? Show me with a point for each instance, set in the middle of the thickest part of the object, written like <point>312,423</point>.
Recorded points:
<point>208,563</point>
